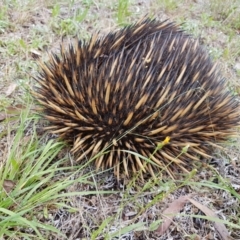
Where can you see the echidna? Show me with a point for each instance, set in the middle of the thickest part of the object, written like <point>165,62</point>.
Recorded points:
<point>124,95</point>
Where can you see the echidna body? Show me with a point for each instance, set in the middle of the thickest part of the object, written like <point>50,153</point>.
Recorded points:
<point>123,94</point>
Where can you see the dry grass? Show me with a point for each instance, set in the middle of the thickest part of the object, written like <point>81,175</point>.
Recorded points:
<point>132,210</point>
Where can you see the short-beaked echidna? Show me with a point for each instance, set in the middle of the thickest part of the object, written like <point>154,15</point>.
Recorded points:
<point>129,92</point>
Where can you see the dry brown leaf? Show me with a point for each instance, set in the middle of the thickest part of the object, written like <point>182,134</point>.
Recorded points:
<point>3,116</point>
<point>20,106</point>
<point>8,185</point>
<point>168,214</point>
<point>220,227</point>
<point>11,89</point>
<point>26,139</point>
<point>11,112</point>
<point>14,109</point>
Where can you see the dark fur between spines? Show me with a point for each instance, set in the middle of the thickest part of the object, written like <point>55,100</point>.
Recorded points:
<point>133,88</point>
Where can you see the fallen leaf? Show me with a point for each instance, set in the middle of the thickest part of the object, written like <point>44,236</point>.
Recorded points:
<point>8,185</point>
<point>13,110</point>
<point>220,227</point>
<point>3,116</point>
<point>168,214</point>
<point>20,106</point>
<point>11,89</point>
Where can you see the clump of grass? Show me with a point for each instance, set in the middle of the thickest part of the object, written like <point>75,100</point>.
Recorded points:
<point>27,169</point>
<point>70,24</point>
<point>168,5</point>
<point>221,10</point>
<point>33,183</point>
<point>4,21</point>
<point>123,12</point>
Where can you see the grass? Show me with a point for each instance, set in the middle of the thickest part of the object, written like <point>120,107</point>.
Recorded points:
<point>168,5</point>
<point>36,183</point>
<point>43,195</point>
<point>27,167</point>
<point>123,11</point>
